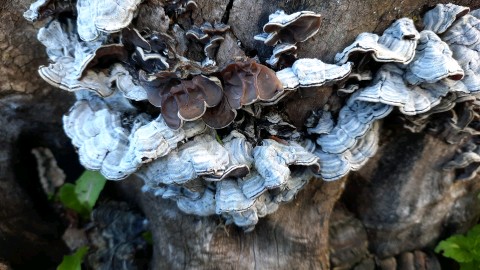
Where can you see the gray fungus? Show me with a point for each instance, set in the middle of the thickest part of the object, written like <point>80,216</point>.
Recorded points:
<point>232,151</point>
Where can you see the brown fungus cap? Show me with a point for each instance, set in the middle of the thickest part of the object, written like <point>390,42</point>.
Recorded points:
<point>131,38</point>
<point>217,28</point>
<point>296,27</point>
<point>170,112</point>
<point>107,54</point>
<point>246,82</point>
<point>201,97</point>
<point>219,116</point>
<point>212,45</point>
<point>151,62</point>
<point>182,100</point>
<point>194,96</point>
<point>157,86</point>
<point>197,34</point>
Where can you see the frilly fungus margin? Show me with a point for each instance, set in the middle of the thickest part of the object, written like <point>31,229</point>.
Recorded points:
<point>212,140</point>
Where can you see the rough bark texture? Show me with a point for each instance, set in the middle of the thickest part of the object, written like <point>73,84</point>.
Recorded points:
<point>411,201</point>
<point>400,202</point>
<point>295,237</point>
<point>30,116</point>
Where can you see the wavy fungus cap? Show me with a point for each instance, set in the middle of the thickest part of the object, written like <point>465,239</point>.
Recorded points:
<point>397,44</point>
<point>157,86</point>
<point>246,82</point>
<point>433,61</point>
<point>219,116</point>
<point>443,16</point>
<point>103,16</point>
<point>182,100</point>
<point>190,99</point>
<point>216,29</point>
<point>296,27</point>
<point>132,38</point>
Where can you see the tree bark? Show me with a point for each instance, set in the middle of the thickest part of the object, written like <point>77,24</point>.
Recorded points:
<point>30,116</point>
<point>401,200</point>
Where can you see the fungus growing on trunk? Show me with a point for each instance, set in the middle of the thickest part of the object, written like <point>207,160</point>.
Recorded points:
<point>247,82</point>
<point>188,100</point>
<point>284,31</point>
<point>433,61</point>
<point>103,16</point>
<point>293,28</point>
<point>397,44</point>
<point>206,138</point>
<point>440,18</point>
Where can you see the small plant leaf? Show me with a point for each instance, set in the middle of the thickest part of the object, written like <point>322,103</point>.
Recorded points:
<point>88,188</point>
<point>217,137</point>
<point>148,237</point>
<point>74,261</point>
<point>68,197</point>
<point>82,196</point>
<point>470,266</point>
<point>464,249</point>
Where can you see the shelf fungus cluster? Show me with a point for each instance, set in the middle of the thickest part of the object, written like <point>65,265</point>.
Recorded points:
<point>216,139</point>
<point>283,31</point>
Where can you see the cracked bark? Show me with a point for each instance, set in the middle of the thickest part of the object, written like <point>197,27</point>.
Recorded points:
<point>296,236</point>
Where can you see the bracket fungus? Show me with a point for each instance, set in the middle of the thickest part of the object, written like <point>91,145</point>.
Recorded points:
<point>440,18</point>
<point>433,61</point>
<point>103,16</point>
<point>202,157</point>
<point>293,28</point>
<point>397,44</point>
<point>466,164</point>
<point>206,138</point>
<point>285,31</point>
<point>355,120</point>
<point>210,36</point>
<point>188,100</point>
<point>463,37</point>
<point>241,177</point>
<point>352,141</point>
<point>105,144</point>
<point>389,87</point>
<point>33,12</point>
<point>311,72</point>
<point>279,50</point>
<point>272,160</point>
<point>334,166</point>
<point>125,83</point>
<point>246,82</point>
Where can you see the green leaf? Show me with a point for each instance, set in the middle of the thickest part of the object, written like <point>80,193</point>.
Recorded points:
<point>74,261</point>
<point>148,237</point>
<point>88,188</point>
<point>464,249</point>
<point>217,137</point>
<point>69,199</point>
<point>470,266</point>
<point>82,196</point>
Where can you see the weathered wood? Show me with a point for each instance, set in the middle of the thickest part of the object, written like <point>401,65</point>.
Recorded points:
<point>30,116</point>
<point>294,237</point>
<point>403,194</point>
